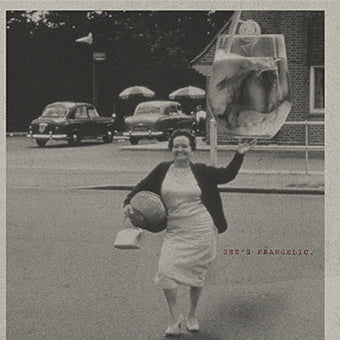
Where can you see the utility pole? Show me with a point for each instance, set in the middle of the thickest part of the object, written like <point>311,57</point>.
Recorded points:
<point>98,55</point>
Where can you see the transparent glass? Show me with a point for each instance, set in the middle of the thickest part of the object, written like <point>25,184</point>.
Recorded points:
<point>249,92</point>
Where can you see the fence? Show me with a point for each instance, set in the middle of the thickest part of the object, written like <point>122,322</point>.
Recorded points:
<point>214,144</point>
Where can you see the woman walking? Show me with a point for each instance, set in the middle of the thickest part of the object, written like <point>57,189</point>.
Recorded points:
<point>195,215</point>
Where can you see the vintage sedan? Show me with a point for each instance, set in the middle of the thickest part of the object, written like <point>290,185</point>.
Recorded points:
<point>156,119</point>
<point>71,121</point>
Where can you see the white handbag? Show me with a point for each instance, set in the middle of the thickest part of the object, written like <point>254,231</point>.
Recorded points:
<point>129,237</point>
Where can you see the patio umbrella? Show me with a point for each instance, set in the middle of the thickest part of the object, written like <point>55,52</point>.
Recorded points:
<point>189,92</point>
<point>135,92</point>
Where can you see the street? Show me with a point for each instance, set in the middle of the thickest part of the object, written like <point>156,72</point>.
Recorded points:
<point>66,281</point>
<point>94,164</point>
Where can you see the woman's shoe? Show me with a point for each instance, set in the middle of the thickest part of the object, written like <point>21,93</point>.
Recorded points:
<point>192,325</point>
<point>176,328</point>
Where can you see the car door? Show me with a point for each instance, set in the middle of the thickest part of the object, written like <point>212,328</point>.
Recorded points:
<point>96,122</point>
<point>173,116</point>
<point>179,119</point>
<point>83,121</point>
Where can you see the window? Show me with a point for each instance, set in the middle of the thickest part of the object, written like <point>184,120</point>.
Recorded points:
<point>92,112</point>
<point>55,111</point>
<point>146,108</point>
<point>170,110</point>
<point>317,89</point>
<point>81,112</point>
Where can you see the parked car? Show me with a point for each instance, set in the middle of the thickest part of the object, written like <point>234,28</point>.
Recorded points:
<point>71,121</point>
<point>156,119</point>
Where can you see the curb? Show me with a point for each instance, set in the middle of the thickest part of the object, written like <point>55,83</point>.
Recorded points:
<point>247,190</point>
<point>13,134</point>
<point>280,172</point>
<point>16,134</point>
<point>162,147</point>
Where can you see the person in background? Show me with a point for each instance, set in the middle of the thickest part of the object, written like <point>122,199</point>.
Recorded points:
<point>201,118</point>
<point>195,216</point>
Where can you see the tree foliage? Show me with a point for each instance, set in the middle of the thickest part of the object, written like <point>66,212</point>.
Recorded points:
<point>151,48</point>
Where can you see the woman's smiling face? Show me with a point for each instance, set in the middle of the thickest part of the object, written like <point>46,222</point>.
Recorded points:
<point>181,149</point>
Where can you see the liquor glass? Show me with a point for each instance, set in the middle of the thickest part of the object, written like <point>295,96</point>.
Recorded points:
<point>249,91</point>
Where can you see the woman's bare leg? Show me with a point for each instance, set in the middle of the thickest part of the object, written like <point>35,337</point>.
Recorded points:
<point>195,293</point>
<point>171,298</point>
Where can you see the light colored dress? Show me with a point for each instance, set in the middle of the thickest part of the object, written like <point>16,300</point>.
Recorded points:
<point>189,244</point>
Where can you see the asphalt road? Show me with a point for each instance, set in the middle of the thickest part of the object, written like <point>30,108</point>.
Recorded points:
<point>66,281</point>
<point>96,164</point>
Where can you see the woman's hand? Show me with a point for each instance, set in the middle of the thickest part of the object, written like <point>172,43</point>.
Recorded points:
<point>128,210</point>
<point>245,146</point>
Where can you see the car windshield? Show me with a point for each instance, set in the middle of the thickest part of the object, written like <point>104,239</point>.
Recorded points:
<point>55,111</point>
<point>147,109</point>
<point>173,109</point>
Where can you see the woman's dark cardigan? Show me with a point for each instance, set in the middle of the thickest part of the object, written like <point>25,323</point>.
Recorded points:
<point>207,177</point>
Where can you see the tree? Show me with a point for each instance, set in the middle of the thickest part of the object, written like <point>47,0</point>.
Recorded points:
<point>151,48</point>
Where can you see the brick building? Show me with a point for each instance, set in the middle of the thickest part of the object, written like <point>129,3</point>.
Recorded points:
<point>304,39</point>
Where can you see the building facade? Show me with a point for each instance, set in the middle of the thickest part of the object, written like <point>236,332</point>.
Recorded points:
<point>304,38</point>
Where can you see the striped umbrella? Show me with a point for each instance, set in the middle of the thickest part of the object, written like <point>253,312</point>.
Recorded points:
<point>190,92</point>
<point>136,91</point>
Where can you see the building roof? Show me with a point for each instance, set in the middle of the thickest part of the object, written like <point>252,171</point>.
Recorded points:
<point>296,26</point>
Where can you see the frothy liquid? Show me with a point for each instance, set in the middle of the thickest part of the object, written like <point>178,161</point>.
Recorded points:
<point>250,97</point>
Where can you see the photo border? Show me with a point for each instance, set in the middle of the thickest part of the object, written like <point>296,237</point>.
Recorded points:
<point>332,136</point>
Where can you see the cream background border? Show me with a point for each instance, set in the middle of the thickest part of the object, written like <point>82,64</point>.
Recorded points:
<point>332,126</point>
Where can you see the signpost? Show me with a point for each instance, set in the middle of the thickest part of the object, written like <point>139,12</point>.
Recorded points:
<point>99,56</point>
<point>96,57</point>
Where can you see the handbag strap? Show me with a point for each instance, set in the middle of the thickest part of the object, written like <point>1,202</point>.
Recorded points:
<point>128,224</point>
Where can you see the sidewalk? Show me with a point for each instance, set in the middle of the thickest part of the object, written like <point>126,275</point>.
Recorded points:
<point>203,146</point>
<point>244,183</point>
<point>262,172</point>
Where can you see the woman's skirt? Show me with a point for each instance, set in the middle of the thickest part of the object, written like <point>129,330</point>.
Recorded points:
<point>188,249</point>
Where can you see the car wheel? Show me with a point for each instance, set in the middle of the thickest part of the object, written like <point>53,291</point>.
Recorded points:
<point>134,140</point>
<point>108,138</point>
<point>41,142</point>
<point>74,138</point>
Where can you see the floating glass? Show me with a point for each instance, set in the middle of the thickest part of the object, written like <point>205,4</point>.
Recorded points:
<point>249,92</point>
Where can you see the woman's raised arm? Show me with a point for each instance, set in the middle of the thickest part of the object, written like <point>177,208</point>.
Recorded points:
<point>226,174</point>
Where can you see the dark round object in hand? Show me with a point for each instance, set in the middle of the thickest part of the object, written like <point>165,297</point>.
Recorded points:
<point>149,211</point>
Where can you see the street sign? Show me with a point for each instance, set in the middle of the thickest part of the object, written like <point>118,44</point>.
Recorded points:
<point>99,56</point>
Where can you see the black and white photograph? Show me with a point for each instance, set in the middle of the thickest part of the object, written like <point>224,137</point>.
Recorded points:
<point>165,173</point>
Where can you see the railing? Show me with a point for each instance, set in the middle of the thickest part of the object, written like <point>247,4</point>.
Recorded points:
<point>214,145</point>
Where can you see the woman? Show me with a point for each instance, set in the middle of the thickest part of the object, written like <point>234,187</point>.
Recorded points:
<point>189,191</point>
